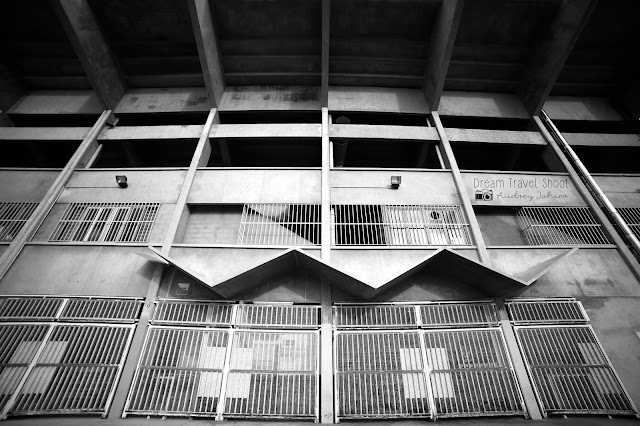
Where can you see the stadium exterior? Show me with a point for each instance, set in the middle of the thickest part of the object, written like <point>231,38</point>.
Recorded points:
<point>319,210</point>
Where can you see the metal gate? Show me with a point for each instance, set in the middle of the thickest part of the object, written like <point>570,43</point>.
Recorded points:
<point>236,372</point>
<point>444,368</point>
<point>570,372</point>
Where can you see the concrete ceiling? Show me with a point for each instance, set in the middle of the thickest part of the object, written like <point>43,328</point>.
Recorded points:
<point>384,43</point>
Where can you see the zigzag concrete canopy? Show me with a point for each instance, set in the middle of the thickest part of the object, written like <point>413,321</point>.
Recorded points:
<point>442,261</point>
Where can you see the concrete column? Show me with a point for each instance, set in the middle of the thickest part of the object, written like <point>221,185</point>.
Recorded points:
<point>450,161</point>
<point>201,154</point>
<point>327,400</point>
<point>85,151</point>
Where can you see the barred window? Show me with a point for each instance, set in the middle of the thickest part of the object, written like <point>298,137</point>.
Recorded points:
<point>568,367</point>
<point>111,222</point>
<point>560,226</point>
<point>13,216</point>
<point>631,215</point>
<point>280,224</point>
<point>400,225</point>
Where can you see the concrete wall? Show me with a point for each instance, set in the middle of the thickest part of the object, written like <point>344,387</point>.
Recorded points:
<point>99,186</point>
<point>373,187</point>
<point>78,270</point>
<point>255,186</point>
<point>622,191</point>
<point>213,225</point>
<point>26,185</point>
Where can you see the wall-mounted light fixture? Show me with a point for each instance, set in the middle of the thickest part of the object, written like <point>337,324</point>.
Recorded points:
<point>395,182</point>
<point>122,181</point>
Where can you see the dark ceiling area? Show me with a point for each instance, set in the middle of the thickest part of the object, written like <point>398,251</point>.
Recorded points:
<point>382,43</point>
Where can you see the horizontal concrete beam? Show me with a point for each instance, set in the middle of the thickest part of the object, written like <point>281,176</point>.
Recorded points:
<point>271,98</point>
<point>43,133</point>
<point>601,139</point>
<point>494,136</point>
<point>356,131</point>
<point>58,102</point>
<point>265,131</point>
<point>174,99</point>
<point>580,108</point>
<point>477,104</point>
<point>377,99</point>
<point>151,132</point>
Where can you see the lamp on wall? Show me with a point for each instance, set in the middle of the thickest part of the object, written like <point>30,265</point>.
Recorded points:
<point>395,182</point>
<point>122,181</point>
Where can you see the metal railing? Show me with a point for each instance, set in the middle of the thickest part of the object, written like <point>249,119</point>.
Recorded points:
<point>278,316</point>
<point>399,225</point>
<point>280,224</point>
<point>376,316</point>
<point>560,226</point>
<point>546,312</point>
<point>109,222</point>
<point>478,314</point>
<point>13,216</point>
<point>178,312</point>
<point>631,215</point>
<point>74,309</point>
<point>570,372</point>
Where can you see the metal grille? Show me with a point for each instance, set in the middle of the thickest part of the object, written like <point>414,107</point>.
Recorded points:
<point>400,225</point>
<point>560,226</point>
<point>471,374</point>
<point>273,375</point>
<point>18,347</point>
<point>380,375</point>
<point>280,224</point>
<point>114,222</point>
<point>289,316</point>
<point>570,372</point>
<point>76,372</point>
<point>458,315</point>
<point>546,312</point>
<point>103,310</point>
<point>180,372</point>
<point>631,215</point>
<point>197,313</point>
<point>29,308</point>
<point>13,216</point>
<point>378,316</point>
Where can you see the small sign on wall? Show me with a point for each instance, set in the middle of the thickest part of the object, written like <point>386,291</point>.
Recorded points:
<point>521,190</point>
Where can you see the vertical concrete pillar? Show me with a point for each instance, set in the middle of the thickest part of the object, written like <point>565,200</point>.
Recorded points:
<point>201,154</point>
<point>327,414</point>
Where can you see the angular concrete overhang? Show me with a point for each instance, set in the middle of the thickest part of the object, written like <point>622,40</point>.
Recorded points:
<point>442,261</point>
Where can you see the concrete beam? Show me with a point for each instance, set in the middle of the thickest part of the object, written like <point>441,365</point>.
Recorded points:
<point>552,51</point>
<point>361,131</point>
<point>377,99</point>
<point>43,133</point>
<point>92,49</point>
<point>58,102</point>
<point>10,88</point>
<point>495,136</point>
<point>477,104</point>
<point>443,37</point>
<point>172,99</point>
<point>173,132</point>
<point>580,108</point>
<point>275,130</point>
<point>208,50</point>
<point>326,41</point>
<point>271,98</point>
<point>601,139</point>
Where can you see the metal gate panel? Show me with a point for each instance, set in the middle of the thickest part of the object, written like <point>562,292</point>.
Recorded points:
<point>29,308</point>
<point>179,373</point>
<point>374,316</point>
<point>380,374</point>
<point>19,344</point>
<point>570,371</point>
<point>273,374</point>
<point>458,315</point>
<point>278,316</point>
<point>546,312</point>
<point>180,312</point>
<point>107,310</point>
<point>471,374</point>
<point>77,371</point>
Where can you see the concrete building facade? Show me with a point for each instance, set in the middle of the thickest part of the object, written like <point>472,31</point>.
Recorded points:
<point>320,210</point>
